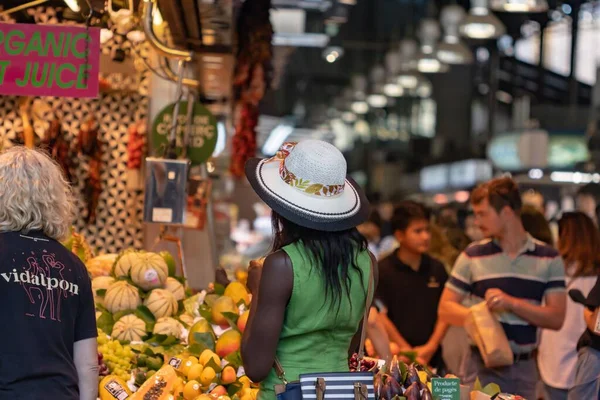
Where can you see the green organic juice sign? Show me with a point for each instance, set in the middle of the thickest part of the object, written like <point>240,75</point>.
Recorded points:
<point>202,137</point>
<point>49,60</point>
<point>445,388</point>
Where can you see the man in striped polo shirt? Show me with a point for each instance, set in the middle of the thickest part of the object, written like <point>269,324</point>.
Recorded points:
<point>520,279</point>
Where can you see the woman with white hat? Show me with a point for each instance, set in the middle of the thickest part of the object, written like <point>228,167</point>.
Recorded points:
<point>309,296</point>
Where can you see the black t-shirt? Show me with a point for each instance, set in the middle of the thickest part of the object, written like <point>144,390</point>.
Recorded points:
<point>47,306</point>
<point>412,297</point>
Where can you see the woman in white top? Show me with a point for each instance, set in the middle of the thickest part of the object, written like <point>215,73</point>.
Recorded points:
<point>579,245</point>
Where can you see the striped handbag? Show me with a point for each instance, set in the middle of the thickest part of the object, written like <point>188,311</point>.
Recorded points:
<point>331,385</point>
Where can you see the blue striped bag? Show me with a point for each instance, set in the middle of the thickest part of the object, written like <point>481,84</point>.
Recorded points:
<point>331,385</point>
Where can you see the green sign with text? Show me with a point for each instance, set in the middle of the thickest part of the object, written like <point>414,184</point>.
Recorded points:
<point>445,388</point>
<point>202,137</point>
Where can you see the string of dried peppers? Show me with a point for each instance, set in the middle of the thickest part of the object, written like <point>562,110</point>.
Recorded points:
<point>252,76</point>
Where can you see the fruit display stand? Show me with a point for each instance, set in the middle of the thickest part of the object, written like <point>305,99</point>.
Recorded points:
<point>158,340</point>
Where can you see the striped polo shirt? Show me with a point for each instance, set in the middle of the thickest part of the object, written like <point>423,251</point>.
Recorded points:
<point>536,271</point>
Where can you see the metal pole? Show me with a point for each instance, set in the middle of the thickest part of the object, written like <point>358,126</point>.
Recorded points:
<point>210,221</point>
<point>541,75</point>
<point>170,151</point>
<point>493,87</point>
<point>573,84</point>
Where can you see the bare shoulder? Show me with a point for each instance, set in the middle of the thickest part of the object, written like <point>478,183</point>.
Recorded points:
<point>279,266</point>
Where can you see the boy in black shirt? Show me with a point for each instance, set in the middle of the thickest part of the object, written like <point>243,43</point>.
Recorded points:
<point>410,285</point>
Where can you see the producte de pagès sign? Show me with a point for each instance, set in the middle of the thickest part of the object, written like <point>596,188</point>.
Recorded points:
<point>49,60</point>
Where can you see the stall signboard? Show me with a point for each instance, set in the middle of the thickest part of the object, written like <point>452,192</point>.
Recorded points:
<point>49,60</point>
<point>202,137</point>
<point>445,388</point>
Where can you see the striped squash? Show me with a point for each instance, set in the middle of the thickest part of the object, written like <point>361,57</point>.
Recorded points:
<point>124,263</point>
<point>149,271</point>
<point>175,287</point>
<point>161,303</point>
<point>129,328</point>
<point>168,326</point>
<point>121,296</point>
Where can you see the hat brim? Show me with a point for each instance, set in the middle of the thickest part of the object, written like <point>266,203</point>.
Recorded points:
<point>330,214</point>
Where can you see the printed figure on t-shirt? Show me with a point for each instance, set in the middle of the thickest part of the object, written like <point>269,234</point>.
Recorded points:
<point>410,277</point>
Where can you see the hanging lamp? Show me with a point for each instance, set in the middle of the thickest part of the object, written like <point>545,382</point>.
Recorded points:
<point>377,98</point>
<point>409,78</point>
<point>520,6</point>
<point>452,50</point>
<point>480,23</point>
<point>427,61</point>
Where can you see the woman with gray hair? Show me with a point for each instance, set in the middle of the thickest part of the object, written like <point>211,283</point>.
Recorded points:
<point>48,333</point>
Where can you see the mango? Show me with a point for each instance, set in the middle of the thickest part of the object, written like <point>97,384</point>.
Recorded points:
<point>208,376</point>
<point>195,371</point>
<point>228,343</point>
<point>208,355</point>
<point>238,292</point>
<point>228,375</point>
<point>245,381</point>
<point>243,321</point>
<point>219,391</point>
<point>222,305</point>
<point>202,326</point>
<point>191,390</point>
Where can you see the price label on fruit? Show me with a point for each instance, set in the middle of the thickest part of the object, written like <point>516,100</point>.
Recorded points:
<point>445,388</point>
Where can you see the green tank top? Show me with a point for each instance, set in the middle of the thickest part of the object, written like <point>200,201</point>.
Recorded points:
<point>315,337</point>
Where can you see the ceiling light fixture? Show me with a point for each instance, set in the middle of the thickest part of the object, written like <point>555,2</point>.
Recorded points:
<point>348,117</point>
<point>480,24</point>
<point>427,61</point>
<point>359,107</point>
<point>408,78</point>
<point>73,5</point>
<point>105,35</point>
<point>333,53</point>
<point>451,49</point>
<point>377,100</point>
<point>520,6</point>
<point>393,89</point>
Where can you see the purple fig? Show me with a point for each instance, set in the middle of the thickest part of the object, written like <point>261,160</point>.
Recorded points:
<point>413,392</point>
<point>411,377</point>
<point>426,394</point>
<point>395,369</point>
<point>386,391</point>
<point>396,387</point>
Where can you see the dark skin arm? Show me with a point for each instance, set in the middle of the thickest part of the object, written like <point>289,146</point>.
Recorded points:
<point>355,343</point>
<point>271,288</point>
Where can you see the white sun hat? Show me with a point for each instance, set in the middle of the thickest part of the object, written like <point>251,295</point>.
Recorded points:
<point>306,183</point>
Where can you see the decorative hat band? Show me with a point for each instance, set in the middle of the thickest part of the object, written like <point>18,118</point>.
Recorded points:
<point>303,185</point>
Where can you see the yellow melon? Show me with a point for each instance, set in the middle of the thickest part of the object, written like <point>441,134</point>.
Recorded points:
<point>148,270</point>
<point>124,262</point>
<point>121,296</point>
<point>168,326</point>
<point>129,328</point>
<point>101,283</point>
<point>175,287</point>
<point>161,303</point>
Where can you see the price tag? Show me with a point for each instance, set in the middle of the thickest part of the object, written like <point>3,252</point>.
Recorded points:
<point>445,388</point>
